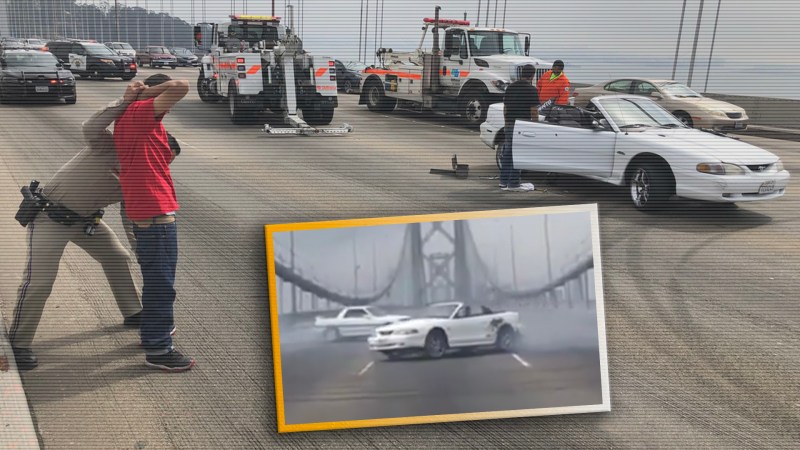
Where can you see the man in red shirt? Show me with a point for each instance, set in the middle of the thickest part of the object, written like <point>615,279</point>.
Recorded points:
<point>144,155</point>
<point>554,85</point>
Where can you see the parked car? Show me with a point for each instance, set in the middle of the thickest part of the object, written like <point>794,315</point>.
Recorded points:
<point>631,141</point>
<point>185,57</point>
<point>122,48</point>
<point>355,321</point>
<point>92,59</point>
<point>446,326</point>
<point>34,44</point>
<point>692,108</point>
<point>34,75</point>
<point>9,43</point>
<point>348,76</point>
<point>156,56</point>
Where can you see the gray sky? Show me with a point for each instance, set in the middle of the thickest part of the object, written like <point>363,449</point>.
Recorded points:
<point>328,254</point>
<point>597,39</point>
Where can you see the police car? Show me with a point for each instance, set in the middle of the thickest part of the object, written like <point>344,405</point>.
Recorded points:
<point>35,75</point>
<point>92,59</point>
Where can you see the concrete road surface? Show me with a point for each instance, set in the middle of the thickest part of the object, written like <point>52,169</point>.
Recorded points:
<point>701,300</point>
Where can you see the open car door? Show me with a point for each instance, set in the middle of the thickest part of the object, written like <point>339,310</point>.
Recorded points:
<point>566,142</point>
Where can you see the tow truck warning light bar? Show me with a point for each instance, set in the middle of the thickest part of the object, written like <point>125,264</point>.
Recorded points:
<point>446,21</point>
<point>251,17</point>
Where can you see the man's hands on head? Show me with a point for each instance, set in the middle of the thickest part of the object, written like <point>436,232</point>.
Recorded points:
<point>173,92</point>
<point>133,90</point>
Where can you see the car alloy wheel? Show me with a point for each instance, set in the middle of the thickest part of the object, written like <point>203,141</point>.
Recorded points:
<point>640,188</point>
<point>435,344</point>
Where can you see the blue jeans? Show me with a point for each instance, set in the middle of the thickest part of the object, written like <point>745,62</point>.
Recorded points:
<point>157,252</point>
<point>508,176</point>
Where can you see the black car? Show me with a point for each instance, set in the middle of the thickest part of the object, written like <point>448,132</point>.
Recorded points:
<point>185,57</point>
<point>93,59</point>
<point>35,75</point>
<point>348,76</point>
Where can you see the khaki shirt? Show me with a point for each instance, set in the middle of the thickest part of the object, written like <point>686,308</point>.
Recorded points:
<point>90,181</point>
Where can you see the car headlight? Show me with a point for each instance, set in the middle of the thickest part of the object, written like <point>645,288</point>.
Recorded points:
<point>778,166</point>
<point>720,169</point>
<point>107,61</point>
<point>719,113</point>
<point>407,331</point>
<point>500,84</point>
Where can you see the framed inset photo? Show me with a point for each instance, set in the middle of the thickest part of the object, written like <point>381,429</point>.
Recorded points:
<point>437,318</point>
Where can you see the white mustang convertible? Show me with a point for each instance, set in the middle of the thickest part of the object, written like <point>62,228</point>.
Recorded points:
<point>444,326</point>
<point>631,141</point>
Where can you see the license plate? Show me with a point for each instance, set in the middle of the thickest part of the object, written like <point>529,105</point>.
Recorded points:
<point>42,88</point>
<point>127,69</point>
<point>767,187</point>
<point>738,125</point>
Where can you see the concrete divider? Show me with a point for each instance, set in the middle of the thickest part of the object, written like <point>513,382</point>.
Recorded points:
<point>771,112</point>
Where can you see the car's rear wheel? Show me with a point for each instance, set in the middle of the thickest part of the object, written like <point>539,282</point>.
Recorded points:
<point>685,118</point>
<point>435,344</point>
<point>331,334</point>
<point>650,185</point>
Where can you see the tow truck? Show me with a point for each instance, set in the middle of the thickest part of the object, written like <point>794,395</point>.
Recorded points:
<point>256,63</point>
<point>470,73</point>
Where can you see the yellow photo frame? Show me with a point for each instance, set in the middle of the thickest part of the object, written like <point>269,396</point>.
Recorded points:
<point>600,387</point>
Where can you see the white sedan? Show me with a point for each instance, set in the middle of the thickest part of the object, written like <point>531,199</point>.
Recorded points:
<point>631,141</point>
<point>445,326</point>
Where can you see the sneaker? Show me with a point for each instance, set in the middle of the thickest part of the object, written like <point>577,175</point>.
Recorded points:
<point>25,358</point>
<point>171,333</point>
<point>525,187</point>
<point>173,361</point>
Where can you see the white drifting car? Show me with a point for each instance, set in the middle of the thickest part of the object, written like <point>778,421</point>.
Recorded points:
<point>629,140</point>
<point>354,321</point>
<point>444,326</point>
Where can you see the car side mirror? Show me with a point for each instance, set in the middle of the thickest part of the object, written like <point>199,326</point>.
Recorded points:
<point>527,45</point>
<point>656,95</point>
<point>463,54</point>
<point>601,125</point>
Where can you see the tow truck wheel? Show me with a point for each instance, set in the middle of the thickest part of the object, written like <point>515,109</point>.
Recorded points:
<point>322,114</point>
<point>473,108</point>
<point>203,91</point>
<point>377,101</point>
<point>237,113</point>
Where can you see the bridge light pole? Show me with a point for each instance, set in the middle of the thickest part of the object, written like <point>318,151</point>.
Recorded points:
<point>294,287</point>
<point>694,48</point>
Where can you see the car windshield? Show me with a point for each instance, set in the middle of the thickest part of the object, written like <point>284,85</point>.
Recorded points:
<point>162,50</point>
<point>355,66</point>
<point>99,50</point>
<point>35,42</point>
<point>439,311</point>
<point>638,113</point>
<point>253,33</point>
<point>182,51</point>
<point>376,311</point>
<point>31,60</point>
<point>124,46</point>
<point>679,90</point>
<point>488,43</point>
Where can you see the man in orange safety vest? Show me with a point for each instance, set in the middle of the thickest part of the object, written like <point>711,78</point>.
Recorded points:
<point>554,85</point>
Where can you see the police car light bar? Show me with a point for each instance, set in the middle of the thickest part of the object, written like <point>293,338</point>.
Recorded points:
<point>446,21</point>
